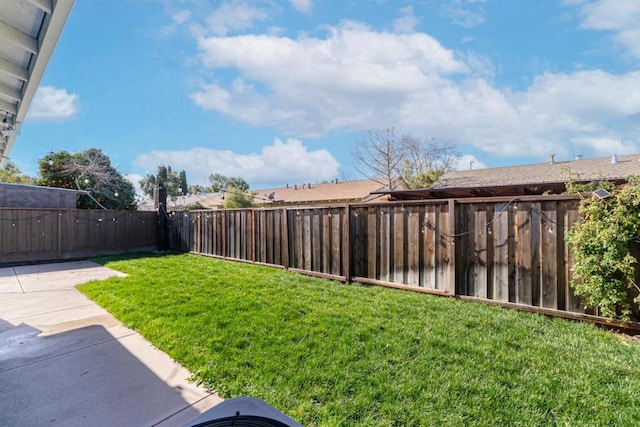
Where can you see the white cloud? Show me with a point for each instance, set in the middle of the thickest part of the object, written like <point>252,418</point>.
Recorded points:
<point>465,13</point>
<point>468,161</point>
<point>620,17</point>
<point>181,16</point>
<point>276,164</point>
<point>302,6</point>
<point>356,78</point>
<point>52,105</point>
<point>315,85</point>
<point>134,179</point>
<point>407,22</point>
<point>232,16</point>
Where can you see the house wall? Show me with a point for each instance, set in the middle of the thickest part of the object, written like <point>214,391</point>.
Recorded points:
<point>30,196</point>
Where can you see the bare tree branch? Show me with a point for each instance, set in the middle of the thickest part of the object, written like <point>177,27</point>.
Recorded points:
<point>384,155</point>
<point>379,155</point>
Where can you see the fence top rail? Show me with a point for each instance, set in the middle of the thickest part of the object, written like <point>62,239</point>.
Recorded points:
<point>464,200</point>
<point>535,198</point>
<point>75,210</point>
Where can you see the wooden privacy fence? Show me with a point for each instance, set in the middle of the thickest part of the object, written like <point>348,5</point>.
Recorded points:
<point>508,251</point>
<point>32,235</point>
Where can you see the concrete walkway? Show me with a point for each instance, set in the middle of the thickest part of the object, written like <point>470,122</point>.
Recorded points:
<point>65,361</point>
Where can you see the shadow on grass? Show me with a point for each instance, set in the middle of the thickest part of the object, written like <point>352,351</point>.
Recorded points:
<point>102,260</point>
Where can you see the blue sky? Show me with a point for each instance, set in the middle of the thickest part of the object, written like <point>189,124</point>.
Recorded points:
<point>279,91</point>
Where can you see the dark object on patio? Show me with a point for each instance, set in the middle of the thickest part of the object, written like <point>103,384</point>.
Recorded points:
<point>243,412</point>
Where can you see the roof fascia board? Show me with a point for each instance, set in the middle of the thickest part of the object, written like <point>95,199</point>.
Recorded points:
<point>18,38</point>
<point>51,30</point>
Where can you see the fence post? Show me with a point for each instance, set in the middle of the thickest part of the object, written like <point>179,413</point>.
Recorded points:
<point>162,219</point>
<point>285,237</point>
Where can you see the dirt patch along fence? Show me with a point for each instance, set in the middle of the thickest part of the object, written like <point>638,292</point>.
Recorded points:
<point>508,251</point>
<point>38,235</point>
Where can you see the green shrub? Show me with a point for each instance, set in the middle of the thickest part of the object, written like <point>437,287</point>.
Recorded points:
<point>601,243</point>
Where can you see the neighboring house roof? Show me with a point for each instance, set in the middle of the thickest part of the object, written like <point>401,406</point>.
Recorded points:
<point>324,193</point>
<point>334,192</point>
<point>29,31</point>
<point>527,179</point>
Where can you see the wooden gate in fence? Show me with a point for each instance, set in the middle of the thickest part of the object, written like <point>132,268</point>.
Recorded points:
<point>511,251</point>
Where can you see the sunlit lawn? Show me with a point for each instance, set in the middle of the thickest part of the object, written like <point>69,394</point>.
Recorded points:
<point>331,354</point>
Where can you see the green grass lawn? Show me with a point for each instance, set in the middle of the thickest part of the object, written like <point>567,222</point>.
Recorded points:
<point>327,353</point>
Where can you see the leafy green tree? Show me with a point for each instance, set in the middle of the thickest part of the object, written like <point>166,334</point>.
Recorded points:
<point>220,182</point>
<point>10,173</point>
<point>91,171</point>
<point>183,182</point>
<point>167,178</point>
<point>236,198</point>
<point>426,160</point>
<point>198,189</point>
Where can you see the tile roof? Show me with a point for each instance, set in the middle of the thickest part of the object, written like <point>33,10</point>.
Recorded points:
<point>582,170</point>
<point>333,192</point>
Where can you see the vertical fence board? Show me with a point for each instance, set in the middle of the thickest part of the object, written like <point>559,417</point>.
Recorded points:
<point>549,256</point>
<point>267,256</point>
<point>445,242</point>
<point>316,232</point>
<point>307,239</point>
<point>326,241</point>
<point>479,250</point>
<point>277,235</point>
<point>500,230</point>
<point>385,246</point>
<point>359,253</point>
<point>399,243</point>
<point>372,241</point>
<point>336,241</point>
<point>413,246</point>
<point>346,243</point>
<point>299,241</point>
<point>536,224</point>
<point>465,268</point>
<point>430,246</point>
<point>523,254</point>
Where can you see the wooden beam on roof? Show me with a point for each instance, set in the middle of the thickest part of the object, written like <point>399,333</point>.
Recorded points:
<point>18,38</point>
<point>13,70</point>
<point>10,92</point>
<point>43,5</point>
<point>8,107</point>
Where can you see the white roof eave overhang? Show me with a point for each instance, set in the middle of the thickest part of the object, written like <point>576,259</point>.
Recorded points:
<point>20,79</point>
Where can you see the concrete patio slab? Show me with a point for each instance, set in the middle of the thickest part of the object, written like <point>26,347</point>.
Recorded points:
<point>9,282</point>
<point>66,361</point>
